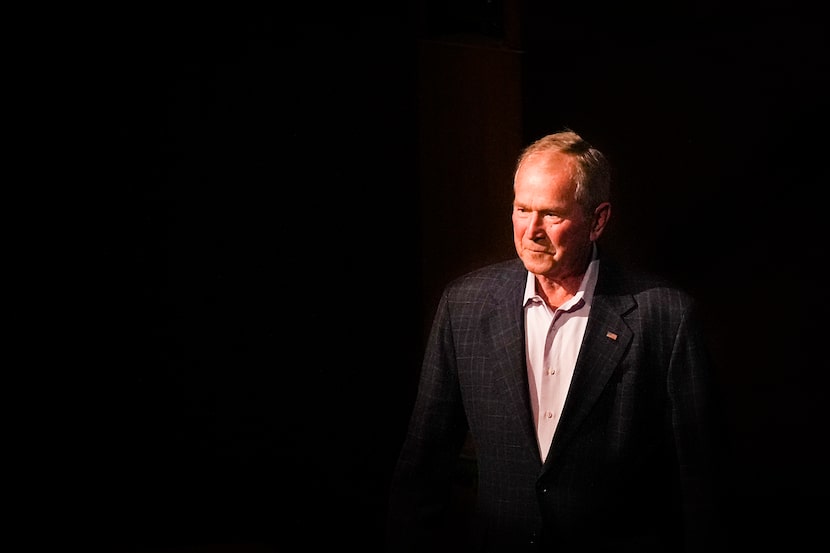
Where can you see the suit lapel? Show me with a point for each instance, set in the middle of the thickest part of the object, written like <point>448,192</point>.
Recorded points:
<point>505,332</point>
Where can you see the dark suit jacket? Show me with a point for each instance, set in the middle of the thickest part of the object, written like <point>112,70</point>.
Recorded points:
<point>631,465</point>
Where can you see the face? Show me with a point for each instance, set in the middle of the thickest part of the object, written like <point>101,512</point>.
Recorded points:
<point>553,235</point>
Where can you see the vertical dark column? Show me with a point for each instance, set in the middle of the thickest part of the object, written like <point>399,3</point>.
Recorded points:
<point>470,132</point>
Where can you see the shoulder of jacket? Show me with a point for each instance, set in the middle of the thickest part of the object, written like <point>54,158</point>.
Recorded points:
<point>498,272</point>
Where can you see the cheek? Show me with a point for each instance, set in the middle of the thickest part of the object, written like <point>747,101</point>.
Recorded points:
<point>567,233</point>
<point>518,227</point>
<point>555,234</point>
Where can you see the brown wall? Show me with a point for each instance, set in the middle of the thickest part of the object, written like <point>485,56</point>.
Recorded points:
<point>470,132</point>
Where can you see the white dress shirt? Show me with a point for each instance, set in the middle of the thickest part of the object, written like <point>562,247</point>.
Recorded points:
<point>553,341</point>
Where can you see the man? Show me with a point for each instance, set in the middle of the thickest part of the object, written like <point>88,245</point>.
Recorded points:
<point>585,388</point>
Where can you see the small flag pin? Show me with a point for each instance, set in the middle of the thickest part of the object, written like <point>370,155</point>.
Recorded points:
<point>611,335</point>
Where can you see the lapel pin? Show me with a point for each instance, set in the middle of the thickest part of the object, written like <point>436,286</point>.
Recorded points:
<point>611,335</point>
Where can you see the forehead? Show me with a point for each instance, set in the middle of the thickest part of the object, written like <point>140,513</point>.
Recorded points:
<point>545,176</point>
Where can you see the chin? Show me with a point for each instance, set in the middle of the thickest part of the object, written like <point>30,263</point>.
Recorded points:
<point>537,263</point>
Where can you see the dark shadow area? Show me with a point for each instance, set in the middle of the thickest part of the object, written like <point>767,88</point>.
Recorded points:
<point>259,308</point>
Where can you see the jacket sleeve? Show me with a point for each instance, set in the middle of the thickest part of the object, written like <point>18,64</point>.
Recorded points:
<point>700,439</point>
<point>421,485</point>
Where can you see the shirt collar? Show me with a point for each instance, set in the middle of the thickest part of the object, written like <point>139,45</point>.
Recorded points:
<point>582,296</point>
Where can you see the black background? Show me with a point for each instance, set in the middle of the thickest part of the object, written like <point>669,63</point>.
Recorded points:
<point>262,305</point>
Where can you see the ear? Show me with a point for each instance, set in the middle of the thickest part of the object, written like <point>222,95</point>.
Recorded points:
<point>602,214</point>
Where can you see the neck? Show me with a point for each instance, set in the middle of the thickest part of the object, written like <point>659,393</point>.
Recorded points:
<point>555,292</point>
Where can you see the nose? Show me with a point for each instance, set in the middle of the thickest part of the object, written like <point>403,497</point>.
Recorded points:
<point>534,226</point>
